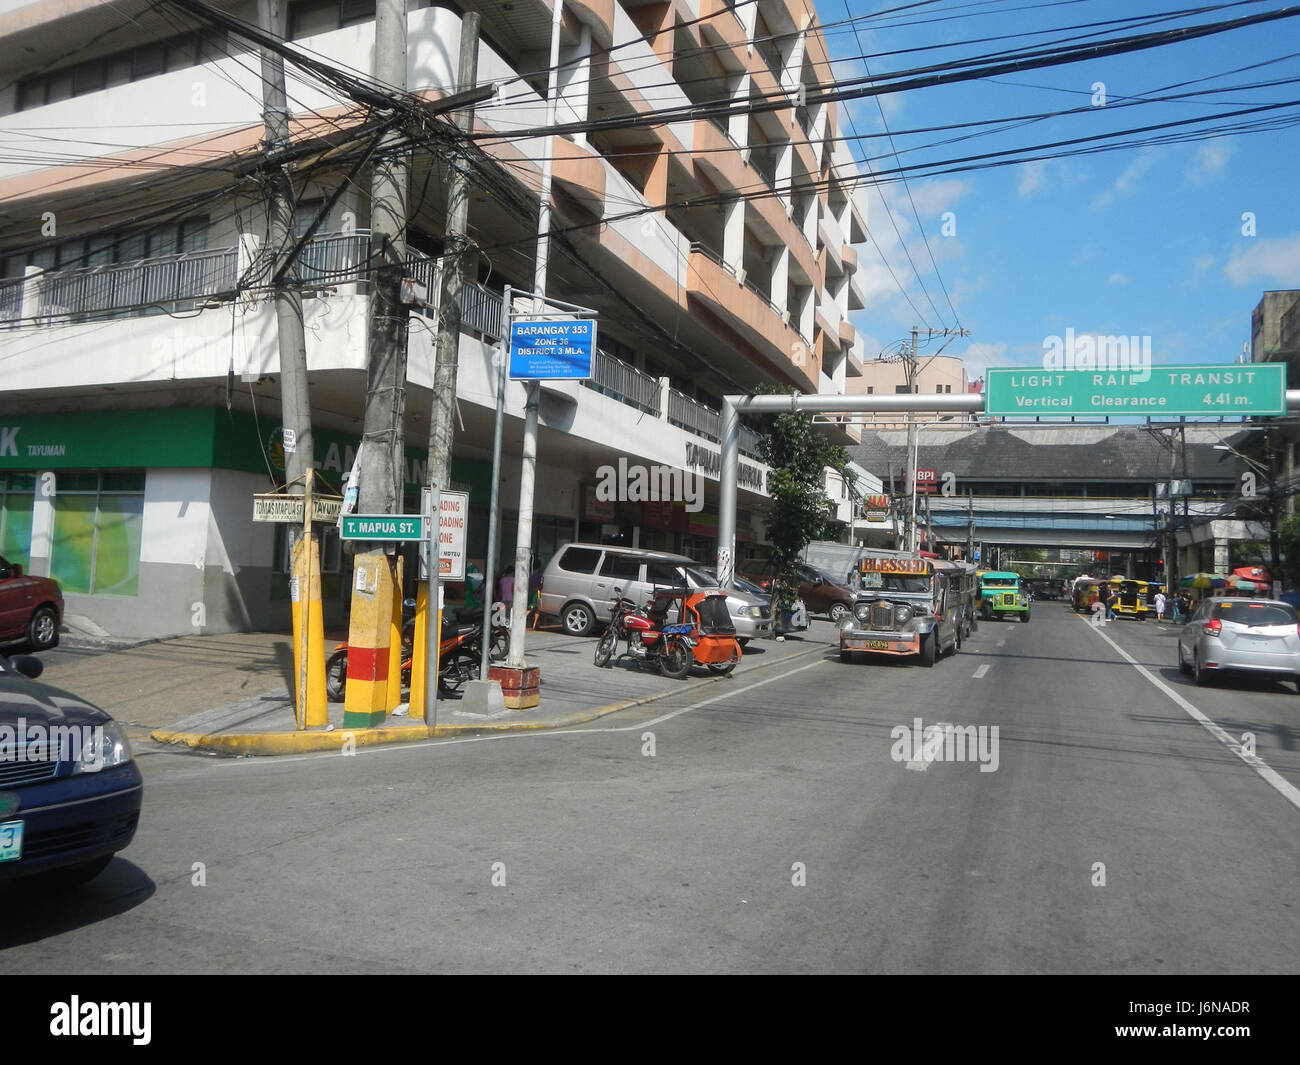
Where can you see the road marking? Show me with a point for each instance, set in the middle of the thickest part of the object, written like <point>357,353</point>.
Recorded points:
<point>980,672</point>
<point>1001,642</point>
<point>1287,790</point>
<point>538,734</point>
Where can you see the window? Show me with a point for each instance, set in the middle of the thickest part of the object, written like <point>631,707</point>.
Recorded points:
<point>621,567</point>
<point>331,549</point>
<point>665,573</point>
<point>579,560</point>
<point>17,494</point>
<point>97,525</point>
<point>901,389</point>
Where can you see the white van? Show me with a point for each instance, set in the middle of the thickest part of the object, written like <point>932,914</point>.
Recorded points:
<point>582,581</point>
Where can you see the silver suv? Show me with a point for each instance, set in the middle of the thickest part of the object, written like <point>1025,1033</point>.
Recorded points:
<point>582,581</point>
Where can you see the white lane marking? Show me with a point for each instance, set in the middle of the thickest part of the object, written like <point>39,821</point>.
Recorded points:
<point>1001,642</point>
<point>533,735</point>
<point>1287,790</point>
<point>980,672</point>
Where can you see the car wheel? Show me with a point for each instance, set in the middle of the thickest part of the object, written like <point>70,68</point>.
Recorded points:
<point>1183,667</point>
<point>838,612</point>
<point>43,629</point>
<point>1201,676</point>
<point>927,648</point>
<point>578,619</point>
<point>1025,617</point>
<point>336,676</point>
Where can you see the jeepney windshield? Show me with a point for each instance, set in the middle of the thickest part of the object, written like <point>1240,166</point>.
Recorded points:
<point>894,582</point>
<point>1001,582</point>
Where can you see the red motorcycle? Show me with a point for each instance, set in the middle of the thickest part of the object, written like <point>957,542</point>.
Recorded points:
<point>459,658</point>
<point>648,639</point>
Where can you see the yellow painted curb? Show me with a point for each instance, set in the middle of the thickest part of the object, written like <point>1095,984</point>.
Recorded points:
<point>250,744</point>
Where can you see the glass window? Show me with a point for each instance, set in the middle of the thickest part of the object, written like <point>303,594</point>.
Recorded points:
<point>579,559</point>
<point>31,93</point>
<point>60,86</point>
<point>1245,612</point>
<point>147,61</point>
<point>621,567</point>
<point>97,532</point>
<point>118,70</point>
<point>193,234</point>
<point>666,573</point>
<point>181,53</point>
<point>16,521</point>
<point>353,11</point>
<point>88,77</point>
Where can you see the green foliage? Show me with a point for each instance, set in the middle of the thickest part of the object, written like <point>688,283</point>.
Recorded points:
<point>1289,544</point>
<point>798,455</point>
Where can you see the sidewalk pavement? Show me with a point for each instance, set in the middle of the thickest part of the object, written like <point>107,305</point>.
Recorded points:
<point>231,694</point>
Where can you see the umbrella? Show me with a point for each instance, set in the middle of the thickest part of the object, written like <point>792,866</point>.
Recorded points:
<point>1251,573</point>
<point>1242,585</point>
<point>1203,581</point>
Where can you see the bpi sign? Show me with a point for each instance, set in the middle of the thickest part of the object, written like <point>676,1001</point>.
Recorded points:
<point>927,482</point>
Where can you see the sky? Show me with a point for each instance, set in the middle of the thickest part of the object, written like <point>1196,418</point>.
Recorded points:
<point>1172,242</point>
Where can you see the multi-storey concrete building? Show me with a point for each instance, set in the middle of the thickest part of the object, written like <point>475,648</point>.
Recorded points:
<point>139,405</point>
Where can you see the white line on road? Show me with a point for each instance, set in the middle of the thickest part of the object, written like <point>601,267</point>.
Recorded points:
<point>1001,642</point>
<point>1287,790</point>
<point>927,744</point>
<point>537,735</point>
<point>980,672</point>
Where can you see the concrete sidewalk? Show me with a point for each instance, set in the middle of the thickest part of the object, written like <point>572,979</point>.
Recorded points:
<point>199,673</point>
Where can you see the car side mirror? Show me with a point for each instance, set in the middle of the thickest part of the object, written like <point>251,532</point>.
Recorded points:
<point>27,665</point>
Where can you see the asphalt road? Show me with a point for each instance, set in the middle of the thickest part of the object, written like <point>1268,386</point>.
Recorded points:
<point>771,830</point>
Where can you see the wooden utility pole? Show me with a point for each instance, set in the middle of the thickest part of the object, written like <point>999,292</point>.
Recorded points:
<point>374,683</point>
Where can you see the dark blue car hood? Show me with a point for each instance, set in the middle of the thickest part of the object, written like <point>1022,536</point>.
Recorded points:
<point>37,703</point>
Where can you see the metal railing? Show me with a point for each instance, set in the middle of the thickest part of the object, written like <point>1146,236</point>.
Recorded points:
<point>749,443</point>
<point>619,380</point>
<point>11,299</point>
<point>331,258</point>
<point>686,413</point>
<point>170,279</point>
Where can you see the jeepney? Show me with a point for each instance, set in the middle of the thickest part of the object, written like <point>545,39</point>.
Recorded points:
<point>1001,596</point>
<point>904,605</point>
<point>1132,598</point>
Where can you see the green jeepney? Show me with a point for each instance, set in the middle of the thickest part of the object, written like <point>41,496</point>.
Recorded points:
<point>1002,596</point>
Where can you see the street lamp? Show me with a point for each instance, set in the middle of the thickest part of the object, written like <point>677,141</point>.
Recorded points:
<point>1274,551</point>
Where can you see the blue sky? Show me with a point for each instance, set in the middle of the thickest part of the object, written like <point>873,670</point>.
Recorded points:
<point>1137,242</point>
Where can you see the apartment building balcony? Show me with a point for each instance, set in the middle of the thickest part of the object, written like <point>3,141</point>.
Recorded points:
<point>746,310</point>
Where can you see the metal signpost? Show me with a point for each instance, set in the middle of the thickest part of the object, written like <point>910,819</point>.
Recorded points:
<point>1238,389</point>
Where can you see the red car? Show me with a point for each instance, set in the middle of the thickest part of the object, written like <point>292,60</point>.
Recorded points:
<point>31,608</point>
<point>821,593</point>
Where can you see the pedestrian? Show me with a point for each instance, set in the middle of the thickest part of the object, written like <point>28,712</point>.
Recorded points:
<point>506,587</point>
<point>1111,600</point>
<point>1160,607</point>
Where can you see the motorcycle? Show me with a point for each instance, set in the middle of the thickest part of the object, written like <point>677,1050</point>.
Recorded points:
<point>459,655</point>
<point>647,639</point>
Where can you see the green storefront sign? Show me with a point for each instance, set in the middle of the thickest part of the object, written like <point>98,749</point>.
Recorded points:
<point>198,438</point>
<point>1235,389</point>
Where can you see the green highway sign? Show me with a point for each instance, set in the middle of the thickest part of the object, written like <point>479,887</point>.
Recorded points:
<point>1239,389</point>
<point>383,527</point>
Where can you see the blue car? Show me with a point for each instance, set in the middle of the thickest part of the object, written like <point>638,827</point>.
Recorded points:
<point>70,791</point>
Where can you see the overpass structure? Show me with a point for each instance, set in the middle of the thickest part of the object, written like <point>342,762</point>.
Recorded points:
<point>1037,484</point>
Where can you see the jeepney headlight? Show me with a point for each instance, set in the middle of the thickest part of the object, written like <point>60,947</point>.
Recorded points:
<point>902,614</point>
<point>862,611</point>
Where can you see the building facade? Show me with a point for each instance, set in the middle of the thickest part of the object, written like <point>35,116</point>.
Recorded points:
<point>140,407</point>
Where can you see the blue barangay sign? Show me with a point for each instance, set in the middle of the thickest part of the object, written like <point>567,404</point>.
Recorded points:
<point>552,350</point>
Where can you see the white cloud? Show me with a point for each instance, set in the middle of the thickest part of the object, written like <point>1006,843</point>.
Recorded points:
<point>1033,178</point>
<point>1211,158</point>
<point>1117,279</point>
<point>1128,179</point>
<point>1274,261</point>
<point>1202,263</point>
<point>979,356</point>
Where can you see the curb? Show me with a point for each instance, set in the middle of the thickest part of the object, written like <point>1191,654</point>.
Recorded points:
<point>269,744</point>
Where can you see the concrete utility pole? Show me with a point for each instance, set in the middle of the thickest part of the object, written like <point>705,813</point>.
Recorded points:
<point>909,471</point>
<point>295,400</point>
<point>456,260</point>
<point>374,685</point>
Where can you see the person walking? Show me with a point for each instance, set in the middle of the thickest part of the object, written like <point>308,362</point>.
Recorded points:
<point>506,587</point>
<point>1160,607</point>
<point>1111,600</point>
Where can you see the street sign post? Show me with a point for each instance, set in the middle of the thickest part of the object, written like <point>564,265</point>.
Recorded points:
<point>1236,389</point>
<point>453,523</point>
<point>287,510</point>
<point>384,528</point>
<point>551,349</point>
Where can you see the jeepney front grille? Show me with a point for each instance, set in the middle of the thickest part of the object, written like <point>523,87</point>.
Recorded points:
<point>882,616</point>
<point>1009,599</point>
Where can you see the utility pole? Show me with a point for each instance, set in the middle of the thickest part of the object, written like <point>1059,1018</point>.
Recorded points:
<point>295,400</point>
<point>374,685</point>
<point>451,278</point>
<point>970,526</point>
<point>909,473</point>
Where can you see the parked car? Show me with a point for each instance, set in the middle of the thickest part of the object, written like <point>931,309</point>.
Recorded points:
<point>822,593</point>
<point>31,608</point>
<point>69,790</point>
<point>1226,634</point>
<point>582,581</point>
<point>750,611</point>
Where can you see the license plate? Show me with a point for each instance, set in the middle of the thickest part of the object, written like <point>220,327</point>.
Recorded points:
<point>878,645</point>
<point>11,841</point>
